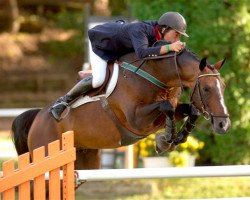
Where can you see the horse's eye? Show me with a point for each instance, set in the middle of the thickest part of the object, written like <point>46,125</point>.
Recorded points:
<point>206,89</point>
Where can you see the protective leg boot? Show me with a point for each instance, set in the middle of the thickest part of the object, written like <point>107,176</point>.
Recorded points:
<point>62,103</point>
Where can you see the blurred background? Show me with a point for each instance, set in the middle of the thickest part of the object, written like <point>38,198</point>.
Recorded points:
<point>43,46</point>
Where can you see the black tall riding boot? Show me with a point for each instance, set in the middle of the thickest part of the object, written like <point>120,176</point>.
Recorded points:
<point>62,103</point>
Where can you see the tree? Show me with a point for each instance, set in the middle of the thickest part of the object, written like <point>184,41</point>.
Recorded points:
<point>15,15</point>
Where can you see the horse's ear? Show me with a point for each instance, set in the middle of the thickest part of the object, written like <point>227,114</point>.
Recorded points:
<point>203,63</point>
<point>219,64</point>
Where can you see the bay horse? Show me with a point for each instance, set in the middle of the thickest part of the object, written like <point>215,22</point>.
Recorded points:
<point>137,108</point>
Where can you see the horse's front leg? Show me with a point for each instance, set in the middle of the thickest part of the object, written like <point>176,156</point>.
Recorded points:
<point>156,112</point>
<point>165,140</point>
<point>189,124</point>
<point>169,139</point>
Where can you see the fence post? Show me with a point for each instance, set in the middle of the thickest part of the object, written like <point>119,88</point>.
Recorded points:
<point>54,175</point>
<point>8,169</point>
<point>36,170</point>
<point>39,181</point>
<point>24,188</point>
<point>68,169</point>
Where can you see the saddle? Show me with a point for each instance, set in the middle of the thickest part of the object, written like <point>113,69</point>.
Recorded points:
<point>104,90</point>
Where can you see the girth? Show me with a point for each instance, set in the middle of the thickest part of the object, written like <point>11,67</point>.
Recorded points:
<point>127,136</point>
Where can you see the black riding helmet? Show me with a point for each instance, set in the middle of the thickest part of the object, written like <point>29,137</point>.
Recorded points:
<point>175,21</point>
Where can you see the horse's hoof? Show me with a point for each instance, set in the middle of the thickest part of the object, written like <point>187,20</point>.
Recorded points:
<point>162,145</point>
<point>159,151</point>
<point>172,147</point>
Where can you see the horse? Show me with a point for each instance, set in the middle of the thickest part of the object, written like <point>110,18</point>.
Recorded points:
<point>136,108</point>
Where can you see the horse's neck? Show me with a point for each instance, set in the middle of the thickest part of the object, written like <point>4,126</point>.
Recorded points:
<point>173,73</point>
<point>182,71</point>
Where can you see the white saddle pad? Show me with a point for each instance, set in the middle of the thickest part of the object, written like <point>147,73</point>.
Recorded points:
<point>111,86</point>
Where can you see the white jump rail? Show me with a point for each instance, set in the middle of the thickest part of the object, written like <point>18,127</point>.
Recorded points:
<point>164,172</point>
<point>12,112</point>
<point>160,173</point>
<point>169,172</point>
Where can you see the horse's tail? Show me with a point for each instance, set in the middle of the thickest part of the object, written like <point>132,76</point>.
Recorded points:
<point>20,129</point>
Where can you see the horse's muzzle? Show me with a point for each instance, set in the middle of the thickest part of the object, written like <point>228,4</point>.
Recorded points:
<point>221,124</point>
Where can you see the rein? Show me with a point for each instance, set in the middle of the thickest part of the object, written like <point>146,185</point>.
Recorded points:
<point>207,115</point>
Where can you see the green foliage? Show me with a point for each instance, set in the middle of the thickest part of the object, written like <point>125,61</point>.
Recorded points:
<point>217,29</point>
<point>118,7</point>
<point>61,49</point>
<point>68,20</point>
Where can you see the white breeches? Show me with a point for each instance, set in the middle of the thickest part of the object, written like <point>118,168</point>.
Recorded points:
<point>98,66</point>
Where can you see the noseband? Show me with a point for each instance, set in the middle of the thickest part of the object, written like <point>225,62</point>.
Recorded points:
<point>207,115</point>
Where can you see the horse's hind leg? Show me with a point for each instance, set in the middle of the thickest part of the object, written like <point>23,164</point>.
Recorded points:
<point>88,159</point>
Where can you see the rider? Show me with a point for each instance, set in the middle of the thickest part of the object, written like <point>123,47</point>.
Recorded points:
<point>115,39</point>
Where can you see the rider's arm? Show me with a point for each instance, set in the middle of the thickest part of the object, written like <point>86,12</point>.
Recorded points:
<point>140,43</point>
<point>176,46</point>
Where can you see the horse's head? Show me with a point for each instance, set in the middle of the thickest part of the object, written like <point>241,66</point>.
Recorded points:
<point>208,97</point>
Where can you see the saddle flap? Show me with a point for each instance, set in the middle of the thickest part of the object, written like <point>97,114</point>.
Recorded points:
<point>104,91</point>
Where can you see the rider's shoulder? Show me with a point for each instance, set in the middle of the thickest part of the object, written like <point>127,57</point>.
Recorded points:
<point>140,25</point>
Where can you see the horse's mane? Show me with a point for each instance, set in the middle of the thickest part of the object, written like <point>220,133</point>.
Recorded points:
<point>188,50</point>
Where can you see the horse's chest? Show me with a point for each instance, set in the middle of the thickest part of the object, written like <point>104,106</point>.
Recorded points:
<point>172,95</point>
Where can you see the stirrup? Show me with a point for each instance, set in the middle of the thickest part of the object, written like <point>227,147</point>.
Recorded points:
<point>66,111</point>
<point>60,103</point>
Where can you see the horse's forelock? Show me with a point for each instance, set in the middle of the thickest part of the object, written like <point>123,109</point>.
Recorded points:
<point>211,67</point>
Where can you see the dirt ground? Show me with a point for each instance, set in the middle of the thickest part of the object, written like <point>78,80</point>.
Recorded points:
<point>111,189</point>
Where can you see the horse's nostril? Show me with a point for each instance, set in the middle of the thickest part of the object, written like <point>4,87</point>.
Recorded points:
<point>221,124</point>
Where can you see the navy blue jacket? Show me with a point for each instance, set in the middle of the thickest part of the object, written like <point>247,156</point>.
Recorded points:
<point>113,40</point>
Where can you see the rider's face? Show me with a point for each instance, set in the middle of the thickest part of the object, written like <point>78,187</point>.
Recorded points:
<point>172,36</point>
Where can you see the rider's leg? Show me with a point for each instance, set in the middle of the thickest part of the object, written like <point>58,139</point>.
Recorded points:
<point>98,66</point>
<point>62,103</point>
<point>98,71</point>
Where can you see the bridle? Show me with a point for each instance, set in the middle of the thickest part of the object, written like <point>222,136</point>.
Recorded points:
<point>207,115</point>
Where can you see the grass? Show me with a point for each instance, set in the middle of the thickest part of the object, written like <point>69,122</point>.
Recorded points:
<point>186,188</point>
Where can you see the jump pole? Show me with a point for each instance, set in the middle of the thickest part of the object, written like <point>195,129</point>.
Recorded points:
<point>169,172</point>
